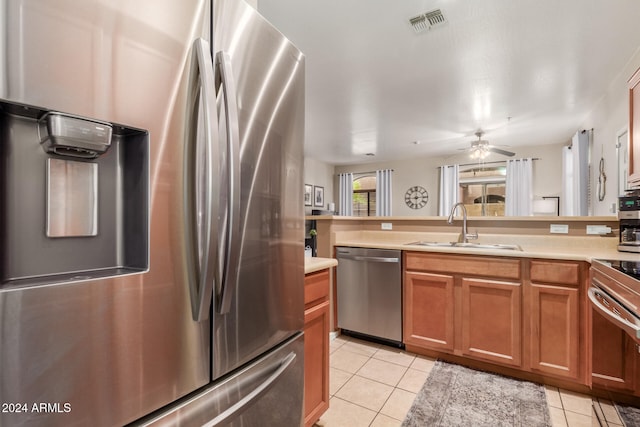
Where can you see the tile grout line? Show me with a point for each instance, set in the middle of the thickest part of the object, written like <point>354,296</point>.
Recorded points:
<point>387,399</point>
<point>350,378</point>
<point>395,387</point>
<point>372,356</point>
<point>564,412</point>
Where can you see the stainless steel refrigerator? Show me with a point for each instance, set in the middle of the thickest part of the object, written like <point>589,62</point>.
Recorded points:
<point>151,221</point>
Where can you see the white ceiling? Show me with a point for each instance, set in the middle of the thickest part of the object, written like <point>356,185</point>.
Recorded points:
<point>375,86</point>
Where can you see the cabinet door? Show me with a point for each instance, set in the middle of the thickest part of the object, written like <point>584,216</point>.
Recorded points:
<point>428,307</point>
<point>613,355</point>
<point>634,130</point>
<point>555,330</point>
<point>316,362</point>
<point>491,320</point>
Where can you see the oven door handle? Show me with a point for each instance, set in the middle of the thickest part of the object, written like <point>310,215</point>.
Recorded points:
<point>627,326</point>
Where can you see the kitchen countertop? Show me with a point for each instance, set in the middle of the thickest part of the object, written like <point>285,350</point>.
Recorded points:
<point>313,264</point>
<point>577,248</point>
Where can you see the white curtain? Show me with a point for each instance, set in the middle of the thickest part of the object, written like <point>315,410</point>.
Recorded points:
<point>449,188</point>
<point>383,192</point>
<point>346,194</point>
<point>575,176</point>
<point>519,191</point>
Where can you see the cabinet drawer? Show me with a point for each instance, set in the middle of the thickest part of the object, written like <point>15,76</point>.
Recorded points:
<point>566,273</point>
<point>316,287</point>
<point>503,268</point>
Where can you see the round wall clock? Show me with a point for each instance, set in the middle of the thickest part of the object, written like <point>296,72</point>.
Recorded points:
<point>416,197</point>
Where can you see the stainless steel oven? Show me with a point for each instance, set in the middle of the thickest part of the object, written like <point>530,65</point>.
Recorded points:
<point>615,293</point>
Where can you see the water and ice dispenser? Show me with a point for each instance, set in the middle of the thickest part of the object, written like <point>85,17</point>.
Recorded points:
<point>74,197</point>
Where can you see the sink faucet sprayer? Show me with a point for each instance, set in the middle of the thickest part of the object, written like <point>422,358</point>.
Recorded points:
<point>465,236</point>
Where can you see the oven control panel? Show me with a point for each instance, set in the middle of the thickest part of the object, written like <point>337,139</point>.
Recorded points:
<point>629,203</point>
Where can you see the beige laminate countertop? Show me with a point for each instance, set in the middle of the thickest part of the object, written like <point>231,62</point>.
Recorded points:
<point>313,264</point>
<point>575,248</point>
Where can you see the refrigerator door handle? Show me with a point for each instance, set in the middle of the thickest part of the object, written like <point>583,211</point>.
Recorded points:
<point>233,238</point>
<point>201,168</point>
<point>237,409</point>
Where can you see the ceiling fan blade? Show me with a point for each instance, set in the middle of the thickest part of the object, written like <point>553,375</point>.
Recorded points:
<point>499,151</point>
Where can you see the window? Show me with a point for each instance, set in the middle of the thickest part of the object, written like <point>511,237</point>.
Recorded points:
<point>482,189</point>
<point>364,195</point>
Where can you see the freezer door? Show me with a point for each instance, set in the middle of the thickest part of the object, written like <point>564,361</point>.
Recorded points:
<point>260,87</point>
<point>87,351</point>
<point>261,394</point>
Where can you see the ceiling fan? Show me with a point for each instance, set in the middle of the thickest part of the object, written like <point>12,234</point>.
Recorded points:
<point>481,148</point>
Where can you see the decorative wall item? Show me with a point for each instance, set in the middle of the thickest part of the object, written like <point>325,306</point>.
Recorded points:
<point>318,196</point>
<point>556,200</point>
<point>602,180</point>
<point>308,195</point>
<point>416,197</point>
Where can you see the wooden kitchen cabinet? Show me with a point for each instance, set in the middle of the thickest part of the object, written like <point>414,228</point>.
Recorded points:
<point>491,320</point>
<point>429,305</point>
<point>555,330</point>
<point>555,318</point>
<point>316,346</point>
<point>634,130</point>
<point>525,314</point>
<point>463,304</point>
<point>613,358</point>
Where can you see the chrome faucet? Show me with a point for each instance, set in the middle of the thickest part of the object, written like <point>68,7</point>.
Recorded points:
<point>465,236</point>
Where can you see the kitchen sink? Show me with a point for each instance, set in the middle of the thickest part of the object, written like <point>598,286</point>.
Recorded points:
<point>468,245</point>
<point>442,244</point>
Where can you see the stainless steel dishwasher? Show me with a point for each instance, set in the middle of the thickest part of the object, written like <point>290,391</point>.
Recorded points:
<point>369,293</point>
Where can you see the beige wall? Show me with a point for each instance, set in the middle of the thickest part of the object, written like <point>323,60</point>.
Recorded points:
<point>424,172</point>
<point>406,173</point>
<point>608,117</point>
<point>319,173</point>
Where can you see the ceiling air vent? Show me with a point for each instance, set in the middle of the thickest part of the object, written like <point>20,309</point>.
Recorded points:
<point>427,20</point>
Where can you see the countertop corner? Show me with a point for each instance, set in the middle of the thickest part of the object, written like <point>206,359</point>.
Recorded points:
<point>313,264</point>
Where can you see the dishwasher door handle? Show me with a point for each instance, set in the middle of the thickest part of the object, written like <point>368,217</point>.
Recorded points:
<point>369,258</point>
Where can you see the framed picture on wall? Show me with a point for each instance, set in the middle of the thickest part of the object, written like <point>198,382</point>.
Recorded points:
<point>318,196</point>
<point>308,195</point>
<point>556,200</point>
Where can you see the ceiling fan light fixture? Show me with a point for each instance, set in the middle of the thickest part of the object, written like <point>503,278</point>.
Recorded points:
<point>476,154</point>
<point>479,150</point>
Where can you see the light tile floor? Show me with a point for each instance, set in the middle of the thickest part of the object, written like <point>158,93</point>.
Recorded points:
<point>374,385</point>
